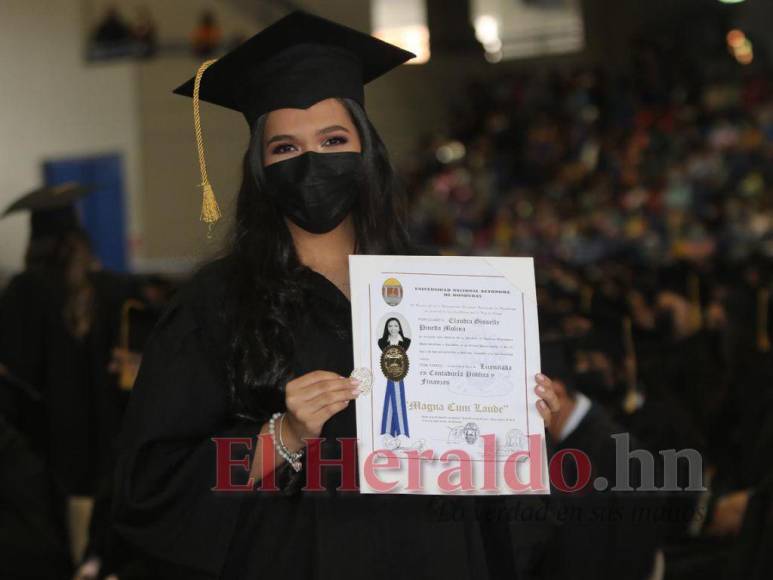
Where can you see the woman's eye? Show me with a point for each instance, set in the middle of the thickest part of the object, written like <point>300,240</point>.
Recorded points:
<point>283,148</point>
<point>332,141</point>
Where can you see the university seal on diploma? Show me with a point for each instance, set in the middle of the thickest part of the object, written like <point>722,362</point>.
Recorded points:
<point>394,363</point>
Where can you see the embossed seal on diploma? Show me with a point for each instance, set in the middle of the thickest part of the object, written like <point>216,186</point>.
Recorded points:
<point>363,375</point>
<point>394,363</point>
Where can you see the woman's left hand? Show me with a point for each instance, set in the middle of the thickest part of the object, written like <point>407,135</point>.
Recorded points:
<point>548,405</point>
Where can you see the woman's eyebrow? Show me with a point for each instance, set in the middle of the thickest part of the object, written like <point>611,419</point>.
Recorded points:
<point>332,129</point>
<point>279,138</point>
<point>325,131</point>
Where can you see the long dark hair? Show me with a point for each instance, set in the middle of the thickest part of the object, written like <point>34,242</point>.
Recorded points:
<point>265,287</point>
<point>65,259</point>
<point>386,329</point>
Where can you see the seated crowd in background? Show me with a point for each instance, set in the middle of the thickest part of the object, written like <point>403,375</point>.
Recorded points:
<point>646,200</point>
<point>115,37</point>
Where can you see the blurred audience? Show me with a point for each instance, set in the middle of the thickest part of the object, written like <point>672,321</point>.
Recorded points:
<point>645,199</point>
<point>207,37</point>
<point>145,33</point>
<point>115,37</point>
<point>113,29</point>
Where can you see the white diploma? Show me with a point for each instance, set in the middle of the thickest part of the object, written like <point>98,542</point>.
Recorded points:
<point>450,349</point>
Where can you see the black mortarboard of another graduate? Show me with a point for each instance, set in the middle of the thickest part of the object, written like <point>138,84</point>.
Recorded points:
<point>644,282</point>
<point>681,278</point>
<point>674,278</point>
<point>686,281</point>
<point>52,209</point>
<point>604,296</point>
<point>298,61</point>
<point>557,360</point>
<point>601,382</point>
<point>758,268</point>
<point>563,295</point>
<point>608,338</point>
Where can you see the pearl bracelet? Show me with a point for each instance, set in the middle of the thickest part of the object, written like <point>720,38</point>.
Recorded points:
<point>294,459</point>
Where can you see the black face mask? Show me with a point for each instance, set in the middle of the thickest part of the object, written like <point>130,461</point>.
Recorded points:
<point>316,190</point>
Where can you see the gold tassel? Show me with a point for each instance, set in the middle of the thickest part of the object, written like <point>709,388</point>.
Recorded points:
<point>210,210</point>
<point>763,340</point>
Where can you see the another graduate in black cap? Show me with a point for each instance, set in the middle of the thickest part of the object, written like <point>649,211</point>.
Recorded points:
<point>57,321</point>
<point>267,330</point>
<point>57,318</point>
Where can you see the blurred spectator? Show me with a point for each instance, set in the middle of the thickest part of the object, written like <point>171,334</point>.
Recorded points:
<point>207,36</point>
<point>114,37</point>
<point>646,200</point>
<point>145,33</point>
<point>113,30</point>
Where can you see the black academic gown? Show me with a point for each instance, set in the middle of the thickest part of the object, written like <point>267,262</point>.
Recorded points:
<point>658,425</point>
<point>601,535</point>
<point>73,429</point>
<point>752,555</point>
<point>166,469</point>
<point>33,539</point>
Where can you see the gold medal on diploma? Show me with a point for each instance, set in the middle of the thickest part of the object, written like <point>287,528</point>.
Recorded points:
<point>394,363</point>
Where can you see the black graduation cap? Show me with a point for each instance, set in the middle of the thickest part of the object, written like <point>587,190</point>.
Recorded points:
<point>557,361</point>
<point>298,61</point>
<point>608,338</point>
<point>674,278</point>
<point>294,63</point>
<point>683,279</point>
<point>52,208</point>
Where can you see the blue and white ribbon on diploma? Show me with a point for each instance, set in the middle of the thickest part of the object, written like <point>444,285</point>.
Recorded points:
<point>394,419</point>
<point>394,416</point>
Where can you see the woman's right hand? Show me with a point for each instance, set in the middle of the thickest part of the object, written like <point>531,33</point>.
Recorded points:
<point>311,400</point>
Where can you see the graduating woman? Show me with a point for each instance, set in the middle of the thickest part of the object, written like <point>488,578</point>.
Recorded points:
<point>260,341</point>
<point>57,405</point>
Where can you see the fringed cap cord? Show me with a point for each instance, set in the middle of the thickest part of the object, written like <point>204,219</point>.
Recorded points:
<point>210,211</point>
